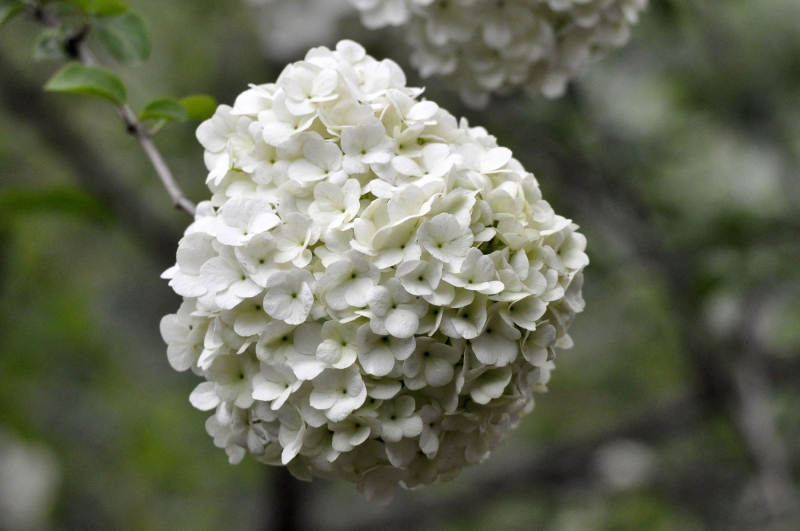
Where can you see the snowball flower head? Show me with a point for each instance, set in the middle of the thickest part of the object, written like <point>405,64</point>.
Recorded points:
<point>485,46</point>
<point>374,290</point>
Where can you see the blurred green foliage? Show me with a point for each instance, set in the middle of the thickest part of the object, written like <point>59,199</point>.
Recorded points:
<point>688,139</point>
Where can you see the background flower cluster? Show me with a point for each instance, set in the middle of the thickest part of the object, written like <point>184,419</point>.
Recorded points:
<point>375,289</point>
<point>486,46</point>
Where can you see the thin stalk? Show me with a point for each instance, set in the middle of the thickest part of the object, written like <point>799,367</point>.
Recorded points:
<point>78,50</point>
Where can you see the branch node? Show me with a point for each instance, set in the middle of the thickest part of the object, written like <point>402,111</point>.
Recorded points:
<point>73,44</point>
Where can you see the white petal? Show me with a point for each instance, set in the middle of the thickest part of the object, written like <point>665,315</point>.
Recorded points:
<point>495,159</point>
<point>402,323</point>
<point>438,372</point>
<point>423,110</point>
<point>322,400</point>
<point>291,450</point>
<point>267,390</point>
<point>250,324</point>
<point>204,397</point>
<point>377,362</point>
<point>181,356</point>
<point>278,304</point>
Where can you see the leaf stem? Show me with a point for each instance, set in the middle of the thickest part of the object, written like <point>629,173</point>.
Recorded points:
<point>78,50</point>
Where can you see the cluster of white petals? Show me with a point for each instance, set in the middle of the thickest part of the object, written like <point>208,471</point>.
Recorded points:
<point>486,46</point>
<point>374,290</point>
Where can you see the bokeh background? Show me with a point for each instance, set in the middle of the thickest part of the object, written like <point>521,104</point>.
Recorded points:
<point>677,409</point>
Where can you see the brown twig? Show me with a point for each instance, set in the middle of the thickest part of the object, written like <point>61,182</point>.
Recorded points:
<point>77,49</point>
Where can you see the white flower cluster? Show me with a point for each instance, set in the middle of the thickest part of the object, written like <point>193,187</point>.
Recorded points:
<point>374,289</point>
<point>485,46</point>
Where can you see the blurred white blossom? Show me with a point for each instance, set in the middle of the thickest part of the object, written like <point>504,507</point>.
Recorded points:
<point>380,303</point>
<point>289,27</point>
<point>486,46</point>
<point>30,475</point>
<point>625,464</point>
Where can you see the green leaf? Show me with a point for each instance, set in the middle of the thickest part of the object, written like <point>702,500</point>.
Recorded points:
<point>168,109</point>
<point>15,201</point>
<point>109,8</point>
<point>51,44</point>
<point>199,107</point>
<point>101,8</point>
<point>76,78</point>
<point>9,9</point>
<point>125,36</point>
